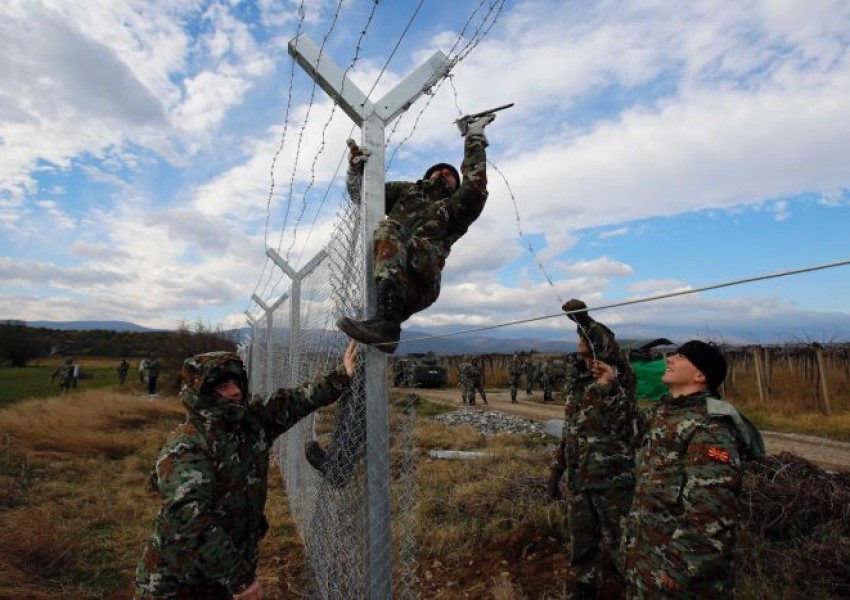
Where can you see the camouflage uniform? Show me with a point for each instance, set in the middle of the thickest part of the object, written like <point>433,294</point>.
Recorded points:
<point>529,369</point>
<point>212,477</point>
<point>465,381</point>
<point>122,371</point>
<point>152,367</point>
<point>680,533</point>
<point>546,380</point>
<point>424,219</point>
<point>514,374</point>
<point>598,457</point>
<point>65,373</point>
<point>476,382</point>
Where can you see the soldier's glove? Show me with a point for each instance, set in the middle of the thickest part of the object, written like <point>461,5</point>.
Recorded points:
<point>554,486</point>
<point>357,157</point>
<point>571,306</point>
<point>475,126</point>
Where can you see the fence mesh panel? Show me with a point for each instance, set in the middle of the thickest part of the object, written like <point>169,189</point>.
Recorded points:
<point>293,344</point>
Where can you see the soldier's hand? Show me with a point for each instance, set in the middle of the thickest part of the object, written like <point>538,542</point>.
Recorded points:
<point>476,126</point>
<point>349,359</point>
<point>603,372</point>
<point>357,157</point>
<point>573,305</point>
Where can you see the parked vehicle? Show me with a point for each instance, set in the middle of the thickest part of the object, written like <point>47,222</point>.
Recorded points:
<point>419,370</point>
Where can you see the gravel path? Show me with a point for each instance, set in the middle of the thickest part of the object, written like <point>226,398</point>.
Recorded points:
<point>530,416</point>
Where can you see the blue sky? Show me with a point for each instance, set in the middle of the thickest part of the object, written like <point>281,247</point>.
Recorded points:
<point>654,147</point>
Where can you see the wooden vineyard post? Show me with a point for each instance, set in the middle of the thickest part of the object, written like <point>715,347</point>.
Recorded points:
<point>824,390</point>
<point>759,380</point>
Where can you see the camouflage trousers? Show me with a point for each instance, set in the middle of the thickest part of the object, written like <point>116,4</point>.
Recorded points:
<point>514,383</point>
<point>595,525</point>
<point>415,264</point>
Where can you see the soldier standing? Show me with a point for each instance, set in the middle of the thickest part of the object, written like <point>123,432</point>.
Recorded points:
<point>546,380</point>
<point>424,219</point>
<point>514,373</point>
<point>679,537</point>
<point>597,454</point>
<point>122,370</point>
<point>152,366</point>
<point>212,475</point>
<point>65,373</point>
<point>464,374</point>
<point>529,376</point>
<point>477,377</point>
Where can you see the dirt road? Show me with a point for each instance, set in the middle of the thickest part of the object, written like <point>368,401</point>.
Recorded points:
<point>826,453</point>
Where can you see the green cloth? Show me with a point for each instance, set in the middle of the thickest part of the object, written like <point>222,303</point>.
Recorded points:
<point>649,375</point>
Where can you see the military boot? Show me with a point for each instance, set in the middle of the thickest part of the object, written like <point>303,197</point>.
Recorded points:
<point>318,459</point>
<point>385,327</point>
<point>583,591</point>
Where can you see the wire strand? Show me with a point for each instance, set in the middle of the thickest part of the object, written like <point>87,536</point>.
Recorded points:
<point>715,286</point>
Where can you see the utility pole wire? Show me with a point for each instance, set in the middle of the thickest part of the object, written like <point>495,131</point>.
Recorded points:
<point>716,286</point>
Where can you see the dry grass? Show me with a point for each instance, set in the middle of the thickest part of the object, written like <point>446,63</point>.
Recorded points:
<point>75,505</point>
<point>75,511</point>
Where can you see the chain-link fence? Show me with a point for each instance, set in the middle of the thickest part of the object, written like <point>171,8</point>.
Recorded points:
<point>296,341</point>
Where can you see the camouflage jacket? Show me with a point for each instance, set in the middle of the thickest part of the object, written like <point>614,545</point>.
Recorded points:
<point>682,523</point>
<point>212,477</point>
<point>464,373</point>
<point>596,448</point>
<point>428,209</point>
<point>65,373</point>
<point>515,370</point>
<point>152,367</point>
<point>475,373</point>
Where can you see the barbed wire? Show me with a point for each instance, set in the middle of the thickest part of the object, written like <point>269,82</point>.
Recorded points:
<point>302,15</point>
<point>716,286</point>
<point>357,50</point>
<point>488,21</point>
<point>452,62</point>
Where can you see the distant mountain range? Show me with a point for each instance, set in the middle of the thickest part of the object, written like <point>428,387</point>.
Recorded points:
<point>413,342</point>
<point>86,325</point>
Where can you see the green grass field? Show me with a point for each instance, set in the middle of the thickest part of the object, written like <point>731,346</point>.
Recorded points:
<point>19,383</point>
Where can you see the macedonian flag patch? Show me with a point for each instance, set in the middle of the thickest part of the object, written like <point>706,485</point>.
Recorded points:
<point>718,454</point>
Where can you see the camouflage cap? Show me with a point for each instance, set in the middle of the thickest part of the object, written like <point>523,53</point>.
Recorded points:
<point>203,372</point>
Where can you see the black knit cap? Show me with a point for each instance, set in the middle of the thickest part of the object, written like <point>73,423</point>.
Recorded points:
<point>709,360</point>
<point>440,166</point>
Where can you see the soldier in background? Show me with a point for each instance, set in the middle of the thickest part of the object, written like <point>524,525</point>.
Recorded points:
<point>122,370</point>
<point>514,374</point>
<point>65,373</point>
<point>142,376</point>
<point>464,381</point>
<point>477,380</point>
<point>212,475</point>
<point>530,370</point>
<point>152,367</point>
<point>546,380</point>
<point>424,219</point>
<point>679,537</point>
<point>597,454</point>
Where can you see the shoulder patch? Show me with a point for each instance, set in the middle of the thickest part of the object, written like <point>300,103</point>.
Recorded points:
<point>718,454</point>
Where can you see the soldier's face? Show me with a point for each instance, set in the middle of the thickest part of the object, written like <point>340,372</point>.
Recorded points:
<point>680,371</point>
<point>583,347</point>
<point>447,175</point>
<point>230,391</point>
